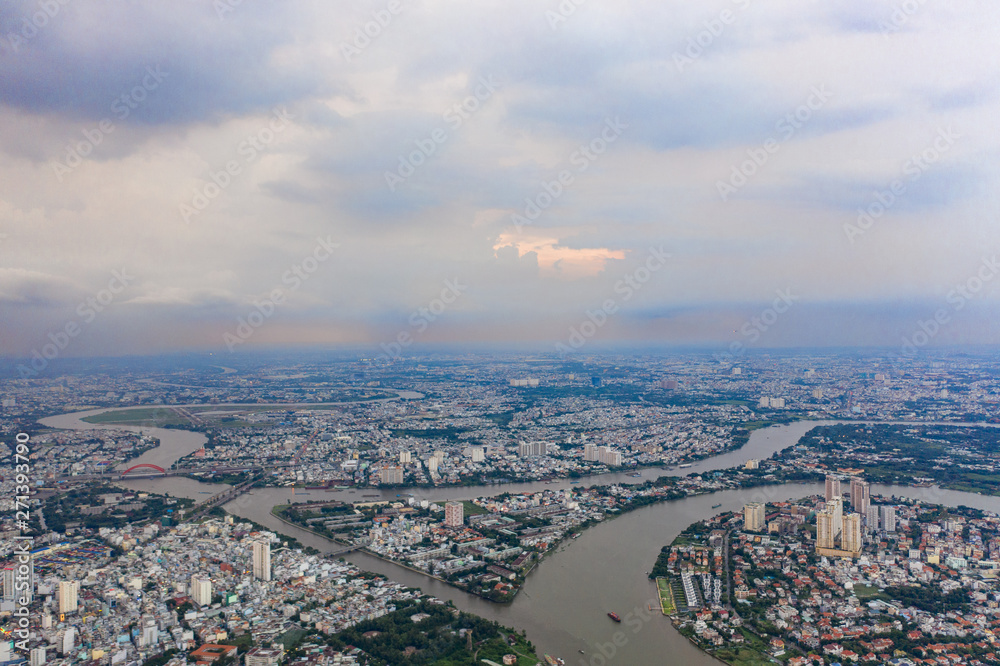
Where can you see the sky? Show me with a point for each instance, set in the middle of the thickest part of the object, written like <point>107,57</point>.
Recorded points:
<point>227,175</point>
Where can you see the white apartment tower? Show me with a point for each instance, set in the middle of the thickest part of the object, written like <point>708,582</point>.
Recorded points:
<point>262,560</point>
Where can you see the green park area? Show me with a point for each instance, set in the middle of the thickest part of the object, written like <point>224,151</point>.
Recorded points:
<point>666,596</point>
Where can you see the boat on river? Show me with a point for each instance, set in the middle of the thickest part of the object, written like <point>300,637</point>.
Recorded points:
<point>716,506</point>
<point>614,616</point>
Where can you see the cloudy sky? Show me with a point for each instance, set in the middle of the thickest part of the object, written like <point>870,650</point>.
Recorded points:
<point>493,171</point>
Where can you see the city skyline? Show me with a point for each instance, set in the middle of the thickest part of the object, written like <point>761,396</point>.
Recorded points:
<point>233,176</point>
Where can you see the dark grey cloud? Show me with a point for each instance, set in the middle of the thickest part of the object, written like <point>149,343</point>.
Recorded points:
<point>88,56</point>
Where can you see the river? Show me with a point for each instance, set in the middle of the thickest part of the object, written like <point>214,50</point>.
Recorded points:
<point>565,601</point>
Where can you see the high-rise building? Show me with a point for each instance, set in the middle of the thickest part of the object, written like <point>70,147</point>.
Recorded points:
<point>8,583</point>
<point>836,508</point>
<point>391,475</point>
<point>887,518</point>
<point>68,641</point>
<point>201,590</point>
<point>530,449</point>
<point>590,452</point>
<point>753,517</point>
<point>871,518</point>
<point>851,540</point>
<point>454,514</point>
<point>609,456</point>
<point>67,591</point>
<point>405,457</point>
<point>478,454</point>
<point>432,464</point>
<point>262,560</point>
<point>833,487</point>
<point>824,529</point>
<point>37,656</point>
<point>860,496</point>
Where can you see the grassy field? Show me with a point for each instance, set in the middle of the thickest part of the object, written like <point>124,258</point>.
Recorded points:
<point>472,509</point>
<point>666,596</point>
<point>863,592</point>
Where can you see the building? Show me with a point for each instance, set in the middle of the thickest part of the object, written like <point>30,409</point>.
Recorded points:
<point>478,454</point>
<point>201,590</point>
<point>871,518</point>
<point>752,464</point>
<point>67,591</point>
<point>37,656</point>
<point>210,652</point>
<point>833,487</point>
<point>405,457</point>
<point>391,476</point>
<point>851,540</point>
<point>887,518</point>
<point>432,464</point>
<point>860,496</point>
<point>753,517</point>
<point>262,560</point>
<point>454,514</point>
<point>824,530</point>
<point>10,591</point>
<point>68,641</point>
<point>259,656</point>
<point>8,584</point>
<point>836,506</point>
<point>590,452</point>
<point>530,449</point>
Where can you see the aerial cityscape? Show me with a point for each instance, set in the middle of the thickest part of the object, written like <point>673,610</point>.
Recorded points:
<point>520,333</point>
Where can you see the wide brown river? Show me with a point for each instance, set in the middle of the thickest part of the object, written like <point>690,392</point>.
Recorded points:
<point>564,604</point>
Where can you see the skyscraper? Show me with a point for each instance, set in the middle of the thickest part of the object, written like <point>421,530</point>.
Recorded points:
<point>836,508</point>
<point>887,516</point>
<point>201,590</point>
<point>852,533</point>
<point>262,560</point>
<point>67,595</point>
<point>8,584</point>
<point>391,475</point>
<point>860,496</point>
<point>753,517</point>
<point>833,487</point>
<point>824,529</point>
<point>871,516</point>
<point>454,514</point>
<point>478,454</point>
